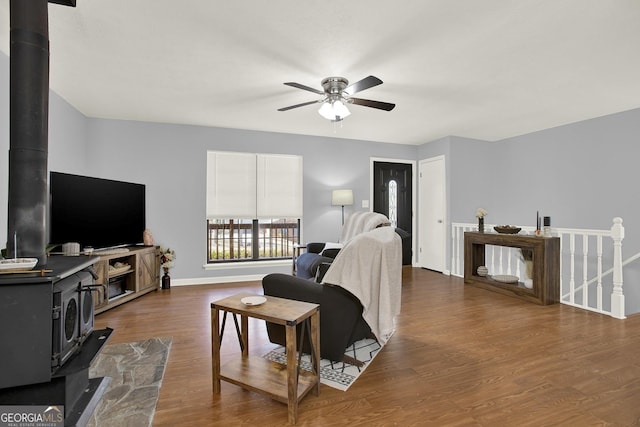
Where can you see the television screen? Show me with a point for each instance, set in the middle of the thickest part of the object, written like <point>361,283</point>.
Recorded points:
<point>95,212</point>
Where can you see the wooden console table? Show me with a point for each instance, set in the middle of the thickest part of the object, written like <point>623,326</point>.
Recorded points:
<point>255,373</point>
<point>546,265</point>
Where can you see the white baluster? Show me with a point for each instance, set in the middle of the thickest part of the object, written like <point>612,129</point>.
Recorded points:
<point>455,251</point>
<point>459,248</point>
<point>617,296</point>
<point>493,261</point>
<point>599,286</point>
<point>572,282</point>
<point>585,285</point>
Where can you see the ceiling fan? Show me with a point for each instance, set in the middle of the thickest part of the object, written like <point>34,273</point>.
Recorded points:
<point>337,93</point>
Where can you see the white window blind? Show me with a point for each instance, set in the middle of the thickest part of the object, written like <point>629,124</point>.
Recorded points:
<point>243,185</point>
<point>231,185</point>
<point>279,186</point>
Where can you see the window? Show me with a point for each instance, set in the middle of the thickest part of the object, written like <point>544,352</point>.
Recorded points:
<point>233,240</point>
<point>254,206</point>
<point>393,203</point>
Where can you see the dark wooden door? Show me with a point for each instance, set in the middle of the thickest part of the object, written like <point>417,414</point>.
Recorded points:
<point>392,185</point>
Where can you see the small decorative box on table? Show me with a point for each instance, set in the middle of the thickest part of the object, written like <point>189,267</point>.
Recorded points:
<point>255,373</point>
<point>546,265</point>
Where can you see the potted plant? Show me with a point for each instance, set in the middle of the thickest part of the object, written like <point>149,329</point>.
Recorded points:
<point>167,256</point>
<point>480,214</point>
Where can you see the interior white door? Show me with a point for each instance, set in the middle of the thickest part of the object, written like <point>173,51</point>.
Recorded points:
<point>432,205</point>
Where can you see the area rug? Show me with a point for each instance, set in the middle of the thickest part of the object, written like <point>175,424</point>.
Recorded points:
<point>136,370</point>
<point>340,375</point>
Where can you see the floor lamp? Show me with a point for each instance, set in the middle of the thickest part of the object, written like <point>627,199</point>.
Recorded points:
<point>342,198</point>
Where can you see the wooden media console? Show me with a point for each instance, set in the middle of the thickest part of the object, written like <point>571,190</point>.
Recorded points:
<point>126,276</point>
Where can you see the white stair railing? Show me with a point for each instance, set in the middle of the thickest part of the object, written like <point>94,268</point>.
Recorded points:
<point>574,249</point>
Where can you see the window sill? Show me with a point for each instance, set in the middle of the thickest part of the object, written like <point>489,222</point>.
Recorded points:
<point>247,264</point>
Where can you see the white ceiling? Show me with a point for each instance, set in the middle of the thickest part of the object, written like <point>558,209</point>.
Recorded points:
<point>485,69</point>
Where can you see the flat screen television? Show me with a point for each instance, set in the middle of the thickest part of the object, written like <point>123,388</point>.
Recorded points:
<point>96,212</point>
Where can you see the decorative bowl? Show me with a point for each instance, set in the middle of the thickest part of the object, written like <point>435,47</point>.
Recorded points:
<point>505,278</point>
<point>507,229</point>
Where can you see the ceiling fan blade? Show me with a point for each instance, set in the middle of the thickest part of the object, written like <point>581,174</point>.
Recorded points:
<point>303,87</point>
<point>373,104</point>
<point>300,105</point>
<point>363,84</point>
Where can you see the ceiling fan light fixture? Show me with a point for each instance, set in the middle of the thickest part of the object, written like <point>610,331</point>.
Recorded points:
<point>337,93</point>
<point>334,110</point>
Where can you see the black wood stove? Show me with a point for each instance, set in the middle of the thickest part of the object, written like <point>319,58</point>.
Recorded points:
<point>47,339</point>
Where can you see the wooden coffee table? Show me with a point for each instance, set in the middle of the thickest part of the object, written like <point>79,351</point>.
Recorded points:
<point>256,373</point>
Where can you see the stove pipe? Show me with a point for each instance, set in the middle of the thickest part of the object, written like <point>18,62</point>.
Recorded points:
<point>29,129</point>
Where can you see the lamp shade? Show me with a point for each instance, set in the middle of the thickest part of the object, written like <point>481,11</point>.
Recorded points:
<point>340,110</point>
<point>326,111</point>
<point>342,197</point>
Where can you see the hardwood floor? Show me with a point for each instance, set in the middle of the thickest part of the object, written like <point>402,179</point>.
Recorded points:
<point>460,356</point>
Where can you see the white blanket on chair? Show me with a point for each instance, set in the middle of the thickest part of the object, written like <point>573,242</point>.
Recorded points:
<point>370,267</point>
<point>360,222</point>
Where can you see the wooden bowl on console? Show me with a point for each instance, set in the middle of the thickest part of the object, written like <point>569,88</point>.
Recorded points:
<point>507,229</point>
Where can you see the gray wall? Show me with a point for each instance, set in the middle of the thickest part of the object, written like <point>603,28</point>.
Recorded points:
<point>582,175</point>
<point>171,161</point>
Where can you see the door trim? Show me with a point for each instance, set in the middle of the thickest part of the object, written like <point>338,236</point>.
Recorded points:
<point>413,196</point>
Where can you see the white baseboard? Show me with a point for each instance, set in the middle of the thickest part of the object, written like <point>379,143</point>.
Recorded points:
<point>216,280</point>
